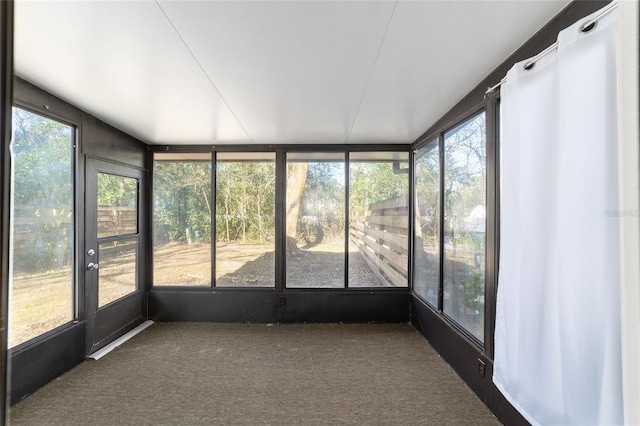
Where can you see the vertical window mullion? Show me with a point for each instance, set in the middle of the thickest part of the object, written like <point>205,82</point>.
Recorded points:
<point>347,185</point>
<point>493,213</point>
<point>214,220</point>
<point>280,220</point>
<point>77,302</point>
<point>411,219</point>
<point>441,199</point>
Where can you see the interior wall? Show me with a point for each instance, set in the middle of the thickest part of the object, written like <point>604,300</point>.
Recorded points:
<point>42,359</point>
<point>472,361</point>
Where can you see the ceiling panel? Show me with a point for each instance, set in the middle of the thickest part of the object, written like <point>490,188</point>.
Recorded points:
<point>297,72</point>
<point>434,53</point>
<point>292,72</point>
<point>124,63</point>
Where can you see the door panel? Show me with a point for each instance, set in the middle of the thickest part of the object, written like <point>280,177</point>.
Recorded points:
<point>114,299</point>
<point>117,273</point>
<point>117,200</point>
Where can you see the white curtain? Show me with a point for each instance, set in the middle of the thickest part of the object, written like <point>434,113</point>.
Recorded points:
<point>557,337</point>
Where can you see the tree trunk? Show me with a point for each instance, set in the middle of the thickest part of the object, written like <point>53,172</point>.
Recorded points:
<point>206,200</point>
<point>260,231</point>
<point>296,180</point>
<point>243,214</point>
<point>226,211</point>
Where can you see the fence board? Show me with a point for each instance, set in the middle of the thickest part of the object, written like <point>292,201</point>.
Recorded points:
<point>117,208</point>
<point>376,265</point>
<point>401,201</point>
<point>397,221</point>
<point>397,260</point>
<point>36,222</point>
<point>380,231</point>
<point>398,241</point>
<point>372,265</point>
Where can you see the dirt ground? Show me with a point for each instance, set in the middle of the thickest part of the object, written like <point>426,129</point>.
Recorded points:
<point>42,302</point>
<point>38,303</point>
<point>322,266</point>
<point>253,265</point>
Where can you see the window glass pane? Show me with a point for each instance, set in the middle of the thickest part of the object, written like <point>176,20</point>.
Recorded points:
<point>182,221</point>
<point>464,224</point>
<point>117,273</point>
<point>245,219</point>
<point>427,225</point>
<point>42,219</point>
<point>117,205</point>
<point>315,220</point>
<point>378,219</point>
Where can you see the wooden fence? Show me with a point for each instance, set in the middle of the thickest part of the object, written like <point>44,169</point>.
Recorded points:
<point>380,231</point>
<point>40,223</point>
<point>43,235</point>
<point>117,220</point>
<point>32,223</point>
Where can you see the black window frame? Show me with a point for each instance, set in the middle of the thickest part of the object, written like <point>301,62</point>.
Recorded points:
<point>280,193</point>
<point>70,119</point>
<point>490,106</point>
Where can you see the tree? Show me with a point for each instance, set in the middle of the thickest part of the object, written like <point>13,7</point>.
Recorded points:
<point>245,201</point>
<point>427,195</point>
<point>116,190</point>
<point>323,202</point>
<point>42,192</point>
<point>464,176</point>
<point>296,179</point>
<point>374,181</point>
<point>182,207</point>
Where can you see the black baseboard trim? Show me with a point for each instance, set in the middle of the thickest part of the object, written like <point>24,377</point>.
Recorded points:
<point>36,364</point>
<point>197,306</point>
<point>463,356</point>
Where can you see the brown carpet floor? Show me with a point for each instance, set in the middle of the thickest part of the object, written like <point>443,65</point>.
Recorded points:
<point>241,374</point>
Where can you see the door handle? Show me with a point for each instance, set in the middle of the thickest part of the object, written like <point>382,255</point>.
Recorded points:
<point>92,266</point>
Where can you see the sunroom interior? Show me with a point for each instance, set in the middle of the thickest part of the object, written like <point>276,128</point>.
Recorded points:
<point>283,162</point>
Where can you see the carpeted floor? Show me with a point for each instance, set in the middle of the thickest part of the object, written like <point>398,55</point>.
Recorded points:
<point>228,374</point>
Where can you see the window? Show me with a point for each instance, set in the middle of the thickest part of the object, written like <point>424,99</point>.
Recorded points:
<point>426,281</point>
<point>182,219</point>
<point>42,241</point>
<point>244,206</point>
<point>315,220</point>
<point>245,219</point>
<point>117,216</point>
<point>118,266</point>
<point>117,205</point>
<point>464,224</point>
<point>378,219</point>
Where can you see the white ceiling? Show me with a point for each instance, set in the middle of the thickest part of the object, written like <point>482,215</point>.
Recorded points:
<point>297,72</point>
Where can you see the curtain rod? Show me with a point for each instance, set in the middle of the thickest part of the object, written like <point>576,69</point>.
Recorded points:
<point>584,28</point>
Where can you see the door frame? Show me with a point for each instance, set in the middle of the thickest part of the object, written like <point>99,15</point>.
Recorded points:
<point>109,322</point>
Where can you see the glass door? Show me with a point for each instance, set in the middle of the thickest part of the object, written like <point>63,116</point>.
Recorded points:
<point>113,251</point>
